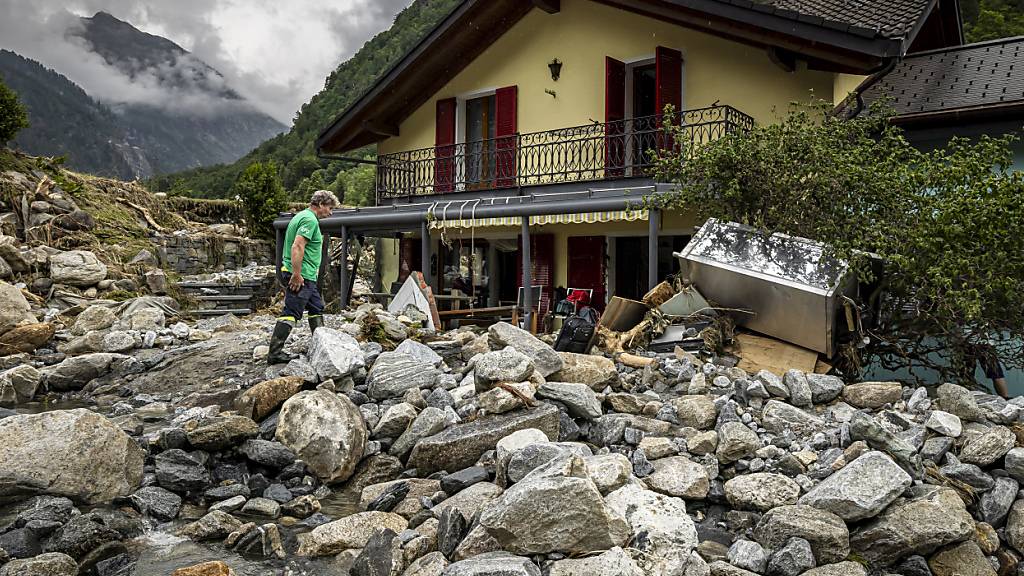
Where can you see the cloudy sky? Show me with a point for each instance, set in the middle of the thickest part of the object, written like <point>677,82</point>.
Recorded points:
<point>276,54</point>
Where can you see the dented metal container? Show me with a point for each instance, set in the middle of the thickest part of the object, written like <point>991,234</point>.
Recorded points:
<point>791,288</point>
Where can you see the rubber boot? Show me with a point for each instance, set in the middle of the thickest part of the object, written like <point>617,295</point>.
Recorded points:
<point>315,322</point>
<point>277,354</point>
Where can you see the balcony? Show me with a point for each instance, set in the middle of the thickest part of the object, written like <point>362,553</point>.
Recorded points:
<point>593,152</point>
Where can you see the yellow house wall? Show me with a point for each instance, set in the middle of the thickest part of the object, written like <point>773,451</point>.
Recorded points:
<point>388,259</point>
<point>844,84</point>
<point>580,36</point>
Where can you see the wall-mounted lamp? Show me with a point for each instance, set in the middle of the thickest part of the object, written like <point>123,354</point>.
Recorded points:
<point>556,69</point>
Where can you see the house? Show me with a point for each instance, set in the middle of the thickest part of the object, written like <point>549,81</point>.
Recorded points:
<point>519,123</point>
<point>969,91</point>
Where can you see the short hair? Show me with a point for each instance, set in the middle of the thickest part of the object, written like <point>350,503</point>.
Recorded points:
<point>324,198</point>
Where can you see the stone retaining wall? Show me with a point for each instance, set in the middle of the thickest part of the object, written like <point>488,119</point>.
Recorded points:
<point>198,254</point>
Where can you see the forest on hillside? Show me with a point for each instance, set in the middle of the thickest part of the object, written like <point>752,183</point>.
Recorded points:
<point>293,152</point>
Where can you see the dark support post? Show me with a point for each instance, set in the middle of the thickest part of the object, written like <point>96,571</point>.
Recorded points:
<point>279,251</point>
<point>654,222</point>
<point>378,250</point>
<point>325,261</point>
<point>527,274</point>
<point>343,280</point>
<point>425,251</point>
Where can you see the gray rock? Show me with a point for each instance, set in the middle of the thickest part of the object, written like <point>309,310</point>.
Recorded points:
<point>988,447</point>
<point>668,534</point>
<point>432,564</point>
<point>81,535</point>
<point>118,341</point>
<point>74,373</point>
<point>696,411</point>
<point>614,562</point>
<point>761,491</point>
<point>554,513</point>
<point>230,505</point>
<point>846,568</point>
<point>421,352</point>
<point>826,532</point>
<point>429,422</point>
<point>180,471</point>
<point>793,559</point>
<point>861,489</point>
<point>994,505</point>
<point>736,441</point>
<point>679,476</point>
<point>325,430</point>
<point>460,446</point>
<point>944,423</point>
<point>1015,526</point>
<point>95,317</point>
<point>352,531</point>
<point>935,449</point>
<point>772,383</point>
<point>214,525</point>
<point>157,502</point>
<point>382,555</point>
<point>545,359</point>
<point>75,453</point>
<point>799,389</point>
<point>968,473</point>
<point>863,427</point>
<point>222,432</point>
<point>1013,463</point>
<point>597,372</point>
<point>267,453</point>
<point>458,481</point>
<point>824,388</point>
<point>79,268</point>
<point>778,417</point>
<point>872,394</point>
<point>748,555</point>
<point>958,400</point>
<point>334,354</point>
<point>493,564</point>
<point>48,509</point>
<point>505,365</point>
<point>395,420</point>
<point>579,399</point>
<point>14,309</point>
<point>19,384</point>
<point>50,564</point>
<point>264,507</point>
<point>933,518</point>
<point>393,373</point>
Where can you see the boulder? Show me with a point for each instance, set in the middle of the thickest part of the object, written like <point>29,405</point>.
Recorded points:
<point>579,399</point>
<point>736,441</point>
<point>1015,526</point>
<point>334,354</point>
<point>986,448</point>
<point>846,568</point>
<point>679,476</point>
<point>994,505</point>
<point>964,559</point>
<point>81,535</point>
<point>614,562</point>
<point>180,471</point>
<point>493,564</point>
<point>872,394</point>
<point>74,373</point>
<point>429,422</point>
<point>944,423</point>
<point>26,338</point>
<point>778,417</point>
<point>793,559</point>
<point>799,389</point>
<point>958,400</point>
<point>545,359</point>
<point>156,502</point>
<point>695,411</point>
<point>215,525</point>
<point>267,453</point>
<point>554,513</point>
<point>14,309</point>
<point>931,519</point>
<point>79,268</point>
<point>421,352</point>
<point>460,446</point>
<point>395,420</point>
<point>662,532</point>
<point>350,532</point>
<point>262,399</point>
<point>861,489</point>
<point>221,432</point>
<point>824,388</point>
<point>49,564</point>
<point>393,373</point>
<point>826,532</point>
<point>505,365</point>
<point>325,430</point>
<point>748,555</point>
<point>18,384</point>
<point>74,453</point>
<point>595,371</point>
<point>761,491</point>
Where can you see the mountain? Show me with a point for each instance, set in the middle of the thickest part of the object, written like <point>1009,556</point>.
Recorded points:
<point>294,151</point>
<point>65,121</point>
<point>190,118</point>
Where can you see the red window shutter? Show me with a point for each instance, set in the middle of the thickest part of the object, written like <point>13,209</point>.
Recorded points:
<point>444,146</point>
<point>669,78</point>
<point>614,117</point>
<point>542,266</point>
<point>505,128</point>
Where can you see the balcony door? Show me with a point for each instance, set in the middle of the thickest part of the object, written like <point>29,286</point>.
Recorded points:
<point>479,136</point>
<point>644,121</point>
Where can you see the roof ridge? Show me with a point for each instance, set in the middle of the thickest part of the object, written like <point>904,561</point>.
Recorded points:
<point>962,47</point>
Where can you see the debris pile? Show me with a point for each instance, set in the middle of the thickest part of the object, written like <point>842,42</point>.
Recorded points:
<point>387,448</point>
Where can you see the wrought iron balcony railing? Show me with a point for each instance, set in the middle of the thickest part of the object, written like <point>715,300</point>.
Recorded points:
<point>598,151</point>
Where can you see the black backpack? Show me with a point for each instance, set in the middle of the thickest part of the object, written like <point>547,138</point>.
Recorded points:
<point>575,336</point>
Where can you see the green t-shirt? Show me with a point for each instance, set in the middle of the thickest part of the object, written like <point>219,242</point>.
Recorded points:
<point>306,225</point>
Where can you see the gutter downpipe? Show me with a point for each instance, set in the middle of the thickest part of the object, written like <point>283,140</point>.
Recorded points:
<point>885,69</point>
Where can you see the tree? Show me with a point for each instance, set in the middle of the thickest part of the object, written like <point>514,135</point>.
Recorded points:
<point>262,196</point>
<point>12,114</point>
<point>945,223</point>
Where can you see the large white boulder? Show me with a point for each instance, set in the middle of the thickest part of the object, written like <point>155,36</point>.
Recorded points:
<point>77,268</point>
<point>334,354</point>
<point>325,430</point>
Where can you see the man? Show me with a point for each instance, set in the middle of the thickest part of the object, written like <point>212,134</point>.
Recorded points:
<point>300,268</point>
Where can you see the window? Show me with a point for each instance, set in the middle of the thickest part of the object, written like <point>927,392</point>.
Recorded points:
<point>480,131</point>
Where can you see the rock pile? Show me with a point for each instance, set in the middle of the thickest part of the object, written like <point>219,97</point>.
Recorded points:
<point>486,453</point>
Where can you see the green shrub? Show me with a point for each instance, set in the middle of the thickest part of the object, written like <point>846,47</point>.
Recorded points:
<point>12,114</point>
<point>262,196</point>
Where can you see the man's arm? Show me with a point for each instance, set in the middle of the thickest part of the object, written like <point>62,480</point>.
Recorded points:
<point>298,251</point>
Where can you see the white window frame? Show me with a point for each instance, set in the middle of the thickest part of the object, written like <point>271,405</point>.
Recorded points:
<point>460,127</point>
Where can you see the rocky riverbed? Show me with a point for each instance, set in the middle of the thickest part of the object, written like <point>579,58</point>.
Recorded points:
<point>134,445</point>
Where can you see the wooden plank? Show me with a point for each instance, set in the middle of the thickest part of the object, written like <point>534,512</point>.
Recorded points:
<point>472,312</point>
<point>758,353</point>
